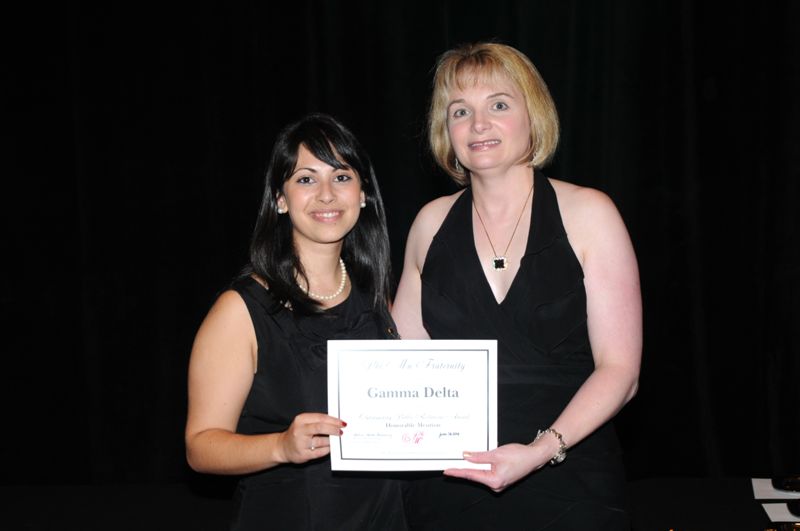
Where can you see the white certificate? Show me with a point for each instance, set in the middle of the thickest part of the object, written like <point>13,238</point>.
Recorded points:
<point>412,404</point>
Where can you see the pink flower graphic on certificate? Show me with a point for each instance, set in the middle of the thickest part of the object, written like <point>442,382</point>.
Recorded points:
<point>413,438</point>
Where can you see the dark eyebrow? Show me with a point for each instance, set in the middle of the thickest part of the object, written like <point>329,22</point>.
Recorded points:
<point>344,167</point>
<point>312,170</point>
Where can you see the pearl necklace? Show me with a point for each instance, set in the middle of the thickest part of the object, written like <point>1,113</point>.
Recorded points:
<point>332,296</point>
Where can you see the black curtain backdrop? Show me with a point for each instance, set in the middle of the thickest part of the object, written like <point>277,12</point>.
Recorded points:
<point>135,137</point>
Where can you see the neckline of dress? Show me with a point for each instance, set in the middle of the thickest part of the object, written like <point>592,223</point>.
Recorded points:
<point>528,246</point>
<point>335,310</point>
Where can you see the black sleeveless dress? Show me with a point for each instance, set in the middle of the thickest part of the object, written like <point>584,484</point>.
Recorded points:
<point>543,358</point>
<point>291,379</point>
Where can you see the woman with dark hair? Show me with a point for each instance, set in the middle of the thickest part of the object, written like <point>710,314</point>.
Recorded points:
<point>546,268</point>
<point>318,270</point>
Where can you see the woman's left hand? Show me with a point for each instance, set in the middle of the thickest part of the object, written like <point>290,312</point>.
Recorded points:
<point>510,463</point>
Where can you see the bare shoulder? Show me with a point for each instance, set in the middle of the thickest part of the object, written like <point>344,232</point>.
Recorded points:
<point>227,317</point>
<point>581,201</point>
<point>226,334</point>
<point>583,208</point>
<point>228,303</point>
<point>432,214</point>
<point>406,310</point>
<point>589,216</point>
<point>426,225</point>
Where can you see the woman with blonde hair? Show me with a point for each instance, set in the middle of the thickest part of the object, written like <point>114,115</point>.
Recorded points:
<point>548,269</point>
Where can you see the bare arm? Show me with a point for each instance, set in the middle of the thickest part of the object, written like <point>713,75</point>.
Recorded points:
<point>614,313</point>
<point>221,370</point>
<point>407,308</point>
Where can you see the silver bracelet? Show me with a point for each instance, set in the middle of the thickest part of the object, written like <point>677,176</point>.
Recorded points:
<point>562,448</point>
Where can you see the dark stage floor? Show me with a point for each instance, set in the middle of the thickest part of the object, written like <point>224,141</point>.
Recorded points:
<point>113,508</point>
<point>684,504</point>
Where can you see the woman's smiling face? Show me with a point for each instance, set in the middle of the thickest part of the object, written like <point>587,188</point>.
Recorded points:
<point>323,202</point>
<point>488,125</point>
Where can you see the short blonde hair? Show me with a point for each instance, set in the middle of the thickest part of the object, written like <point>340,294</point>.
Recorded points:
<point>488,61</point>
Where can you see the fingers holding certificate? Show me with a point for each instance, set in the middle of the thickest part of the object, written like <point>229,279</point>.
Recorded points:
<point>412,404</point>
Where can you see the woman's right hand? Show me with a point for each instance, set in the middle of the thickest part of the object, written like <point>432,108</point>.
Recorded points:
<point>307,437</point>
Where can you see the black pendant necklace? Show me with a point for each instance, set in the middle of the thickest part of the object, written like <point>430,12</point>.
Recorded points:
<point>500,262</point>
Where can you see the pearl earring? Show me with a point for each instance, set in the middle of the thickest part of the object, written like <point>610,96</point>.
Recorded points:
<point>281,211</point>
<point>363,204</point>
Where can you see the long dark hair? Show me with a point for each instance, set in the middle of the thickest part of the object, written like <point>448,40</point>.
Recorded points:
<point>365,249</point>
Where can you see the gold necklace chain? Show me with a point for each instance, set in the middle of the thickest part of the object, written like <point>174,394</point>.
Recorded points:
<point>500,262</point>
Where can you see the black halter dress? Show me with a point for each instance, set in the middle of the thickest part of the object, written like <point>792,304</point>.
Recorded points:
<point>292,378</point>
<point>543,358</point>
